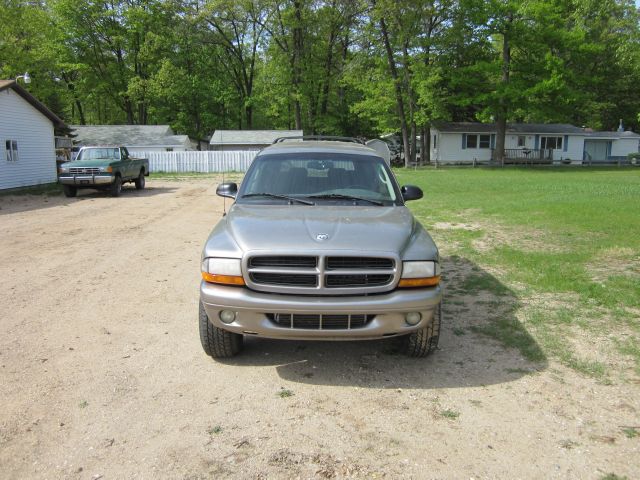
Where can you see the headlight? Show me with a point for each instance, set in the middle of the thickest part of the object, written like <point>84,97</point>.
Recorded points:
<point>63,169</point>
<point>420,274</point>
<point>225,271</point>
<point>106,169</point>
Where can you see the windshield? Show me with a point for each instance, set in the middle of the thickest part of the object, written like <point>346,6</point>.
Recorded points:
<point>321,177</point>
<point>99,153</point>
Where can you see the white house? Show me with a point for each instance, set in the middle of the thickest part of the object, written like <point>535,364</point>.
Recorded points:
<point>137,138</point>
<point>466,142</point>
<point>248,140</point>
<point>27,135</point>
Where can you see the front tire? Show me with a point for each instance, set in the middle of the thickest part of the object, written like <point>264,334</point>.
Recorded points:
<point>140,181</point>
<point>116,187</point>
<point>69,191</point>
<point>424,341</point>
<point>216,342</point>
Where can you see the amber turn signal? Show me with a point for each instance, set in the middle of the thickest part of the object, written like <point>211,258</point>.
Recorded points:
<point>222,279</point>
<point>419,282</point>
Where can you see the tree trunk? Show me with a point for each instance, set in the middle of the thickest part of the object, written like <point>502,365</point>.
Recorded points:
<point>397,88</point>
<point>412,106</point>
<point>297,63</point>
<point>501,117</point>
<point>425,145</point>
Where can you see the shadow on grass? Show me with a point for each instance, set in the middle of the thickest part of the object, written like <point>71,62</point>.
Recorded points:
<point>34,199</point>
<point>482,343</point>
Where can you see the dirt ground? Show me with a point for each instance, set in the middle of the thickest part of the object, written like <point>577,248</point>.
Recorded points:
<point>102,374</point>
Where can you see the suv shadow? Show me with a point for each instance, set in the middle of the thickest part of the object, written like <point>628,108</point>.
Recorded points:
<point>476,308</point>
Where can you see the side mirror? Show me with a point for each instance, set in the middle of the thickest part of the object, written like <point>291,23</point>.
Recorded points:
<point>411,192</point>
<point>229,190</point>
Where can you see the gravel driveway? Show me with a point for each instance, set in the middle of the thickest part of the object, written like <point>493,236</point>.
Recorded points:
<point>102,374</point>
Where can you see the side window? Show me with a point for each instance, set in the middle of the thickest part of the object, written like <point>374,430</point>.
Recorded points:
<point>522,141</point>
<point>11,150</point>
<point>485,141</point>
<point>435,142</point>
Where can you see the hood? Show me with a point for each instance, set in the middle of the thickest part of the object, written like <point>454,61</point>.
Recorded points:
<point>297,228</point>
<point>89,163</point>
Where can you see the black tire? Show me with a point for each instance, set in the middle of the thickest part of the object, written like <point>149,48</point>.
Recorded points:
<point>116,187</point>
<point>140,181</point>
<point>69,191</point>
<point>424,341</point>
<point>216,342</point>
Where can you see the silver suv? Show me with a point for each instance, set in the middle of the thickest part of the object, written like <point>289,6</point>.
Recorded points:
<point>319,245</point>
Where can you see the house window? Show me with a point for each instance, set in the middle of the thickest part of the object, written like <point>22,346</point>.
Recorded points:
<point>435,142</point>
<point>478,141</point>
<point>11,147</point>
<point>522,141</point>
<point>472,141</point>
<point>551,143</point>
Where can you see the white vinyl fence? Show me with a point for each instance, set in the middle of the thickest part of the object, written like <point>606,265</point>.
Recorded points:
<point>203,162</point>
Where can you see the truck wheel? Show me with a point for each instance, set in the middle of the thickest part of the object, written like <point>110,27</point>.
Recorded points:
<point>140,181</point>
<point>424,341</point>
<point>69,191</point>
<point>116,187</point>
<point>216,342</point>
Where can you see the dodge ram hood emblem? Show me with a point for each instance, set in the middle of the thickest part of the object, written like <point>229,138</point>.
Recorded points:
<point>322,236</point>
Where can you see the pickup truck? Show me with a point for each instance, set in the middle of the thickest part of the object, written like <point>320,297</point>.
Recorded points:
<point>319,245</point>
<point>104,167</point>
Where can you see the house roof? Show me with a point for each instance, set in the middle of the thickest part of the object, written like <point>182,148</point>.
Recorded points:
<point>473,127</point>
<point>250,137</point>
<point>612,135</point>
<point>129,135</point>
<point>37,104</point>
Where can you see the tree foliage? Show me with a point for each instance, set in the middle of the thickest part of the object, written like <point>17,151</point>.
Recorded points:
<point>354,67</point>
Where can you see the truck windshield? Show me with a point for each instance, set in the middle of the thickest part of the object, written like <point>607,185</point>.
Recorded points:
<point>99,154</point>
<point>321,177</point>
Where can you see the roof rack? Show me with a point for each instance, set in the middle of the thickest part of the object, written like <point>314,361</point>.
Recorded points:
<point>321,138</point>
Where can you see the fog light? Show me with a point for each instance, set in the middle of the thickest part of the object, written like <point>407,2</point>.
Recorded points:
<point>227,316</point>
<point>413,318</point>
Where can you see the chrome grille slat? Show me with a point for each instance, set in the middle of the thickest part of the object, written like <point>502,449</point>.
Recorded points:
<point>84,170</point>
<point>359,263</point>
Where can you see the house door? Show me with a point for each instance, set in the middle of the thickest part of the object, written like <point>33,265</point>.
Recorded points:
<point>596,150</point>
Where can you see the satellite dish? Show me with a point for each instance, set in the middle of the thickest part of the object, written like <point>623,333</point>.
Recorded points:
<point>381,148</point>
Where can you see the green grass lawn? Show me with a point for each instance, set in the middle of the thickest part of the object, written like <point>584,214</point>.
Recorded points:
<point>565,243</point>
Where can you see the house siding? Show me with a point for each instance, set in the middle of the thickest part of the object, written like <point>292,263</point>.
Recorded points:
<point>624,146</point>
<point>449,149</point>
<point>20,121</point>
<point>140,151</point>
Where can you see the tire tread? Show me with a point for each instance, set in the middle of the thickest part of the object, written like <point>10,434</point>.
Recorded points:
<point>217,342</point>
<point>424,341</point>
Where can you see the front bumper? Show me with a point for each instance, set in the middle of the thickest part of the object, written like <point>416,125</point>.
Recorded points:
<point>85,180</point>
<point>252,309</point>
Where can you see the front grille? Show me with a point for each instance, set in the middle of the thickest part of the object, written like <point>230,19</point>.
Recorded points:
<point>283,261</point>
<point>308,321</point>
<point>288,279</point>
<point>84,170</point>
<point>320,275</point>
<point>356,280</point>
<point>362,263</point>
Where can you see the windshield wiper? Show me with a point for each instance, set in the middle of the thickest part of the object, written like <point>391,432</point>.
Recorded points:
<point>340,196</point>
<point>282,197</point>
